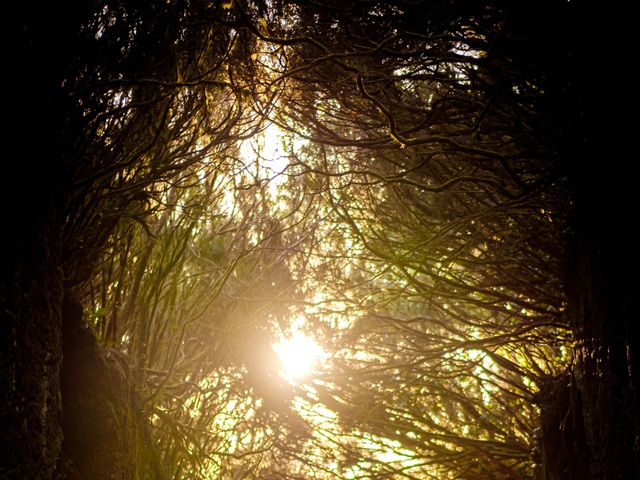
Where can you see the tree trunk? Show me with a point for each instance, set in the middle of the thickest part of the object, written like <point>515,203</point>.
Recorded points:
<point>564,453</point>
<point>30,351</point>
<point>606,355</point>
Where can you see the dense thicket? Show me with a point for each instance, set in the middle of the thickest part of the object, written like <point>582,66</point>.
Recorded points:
<point>433,224</point>
<point>432,160</point>
<point>127,97</point>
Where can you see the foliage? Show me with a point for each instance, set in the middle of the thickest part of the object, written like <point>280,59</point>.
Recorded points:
<point>445,240</point>
<point>418,227</point>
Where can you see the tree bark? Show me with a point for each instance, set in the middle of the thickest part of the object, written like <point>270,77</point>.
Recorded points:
<point>30,351</point>
<point>600,288</point>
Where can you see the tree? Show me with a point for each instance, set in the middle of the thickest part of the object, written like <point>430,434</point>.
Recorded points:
<point>492,107</point>
<point>129,94</point>
<point>435,193</point>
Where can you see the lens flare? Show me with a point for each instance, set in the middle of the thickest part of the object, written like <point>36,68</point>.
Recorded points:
<point>299,355</point>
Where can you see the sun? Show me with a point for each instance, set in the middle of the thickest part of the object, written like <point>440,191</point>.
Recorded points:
<point>299,356</point>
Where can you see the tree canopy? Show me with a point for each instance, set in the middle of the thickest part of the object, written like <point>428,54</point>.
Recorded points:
<point>392,181</point>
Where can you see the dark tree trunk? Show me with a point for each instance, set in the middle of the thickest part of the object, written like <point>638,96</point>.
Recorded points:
<point>29,377</point>
<point>564,453</point>
<point>31,260</point>
<point>586,135</point>
<point>31,287</point>
<point>601,286</point>
<point>600,277</point>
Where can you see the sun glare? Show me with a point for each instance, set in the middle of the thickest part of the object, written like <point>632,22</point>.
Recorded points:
<point>299,356</point>
<point>266,149</point>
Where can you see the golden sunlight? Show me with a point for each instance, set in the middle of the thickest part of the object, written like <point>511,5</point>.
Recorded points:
<point>299,356</point>
<point>266,151</point>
